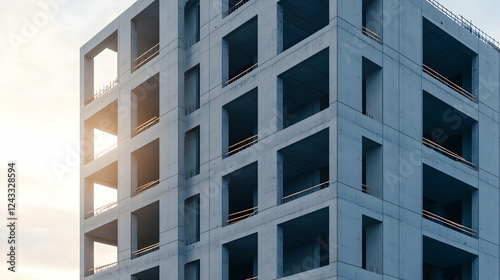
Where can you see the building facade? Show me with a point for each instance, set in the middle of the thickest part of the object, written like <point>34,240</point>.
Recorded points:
<point>311,139</point>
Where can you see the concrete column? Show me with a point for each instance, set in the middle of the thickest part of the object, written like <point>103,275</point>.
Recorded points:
<point>88,198</point>
<point>88,77</point>
<point>267,31</point>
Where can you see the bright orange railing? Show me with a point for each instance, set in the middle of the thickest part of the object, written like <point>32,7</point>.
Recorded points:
<point>143,127</point>
<point>305,192</point>
<point>450,224</point>
<point>243,144</point>
<point>447,82</point>
<point>146,56</point>
<point>241,215</point>
<point>146,250</point>
<point>365,188</point>
<point>237,5</point>
<point>442,150</point>
<point>242,74</point>
<point>372,34</point>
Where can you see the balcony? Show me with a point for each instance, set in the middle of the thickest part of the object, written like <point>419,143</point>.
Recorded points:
<point>235,5</point>
<point>241,74</point>
<point>149,274</point>
<point>305,167</point>
<point>145,250</point>
<point>240,194</point>
<point>145,36</point>
<point>102,91</point>
<point>449,224</point>
<point>99,269</point>
<point>146,57</point>
<point>243,144</point>
<point>102,153</point>
<point>145,105</point>
<point>143,127</point>
<point>442,150</point>
<point>371,34</point>
<point>101,133</point>
<point>145,167</point>
<point>100,210</point>
<point>449,61</point>
<point>147,186</point>
<point>240,258</point>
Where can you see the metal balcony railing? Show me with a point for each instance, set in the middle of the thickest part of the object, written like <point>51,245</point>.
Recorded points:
<point>146,56</point>
<point>98,269</point>
<point>143,127</point>
<point>237,6</point>
<point>100,210</point>
<point>250,69</point>
<point>467,24</point>
<point>372,34</point>
<point>442,150</point>
<point>146,250</point>
<point>102,153</point>
<point>447,82</point>
<point>305,192</point>
<point>241,215</point>
<point>147,186</point>
<point>102,91</point>
<point>243,144</point>
<point>365,188</point>
<point>253,278</point>
<point>447,223</point>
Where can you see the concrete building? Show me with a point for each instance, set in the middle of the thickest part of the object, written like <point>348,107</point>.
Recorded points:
<point>311,139</point>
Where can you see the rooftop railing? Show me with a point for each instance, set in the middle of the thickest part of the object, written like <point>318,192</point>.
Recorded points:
<point>250,69</point>
<point>447,223</point>
<point>372,34</point>
<point>243,144</point>
<point>447,82</point>
<point>146,56</point>
<point>442,150</point>
<point>467,24</point>
<point>100,210</point>
<point>102,153</point>
<point>143,127</point>
<point>98,269</point>
<point>241,215</point>
<point>305,192</point>
<point>365,188</point>
<point>102,91</point>
<point>147,186</point>
<point>146,250</point>
<point>237,6</point>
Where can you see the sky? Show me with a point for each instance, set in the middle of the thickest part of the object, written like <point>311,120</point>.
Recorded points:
<point>39,121</point>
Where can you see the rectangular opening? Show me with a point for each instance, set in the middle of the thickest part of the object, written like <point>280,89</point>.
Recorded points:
<point>145,105</point>
<point>239,123</point>
<point>372,90</point>
<point>240,258</point>
<point>305,89</point>
<point>192,219</point>
<point>449,61</point>
<point>304,238</point>
<point>305,166</point>
<point>301,19</point>
<point>240,194</point>
<point>146,35</point>
<point>100,248</point>
<point>101,132</point>
<point>240,52</point>
<point>145,167</point>
<point>192,270</point>
<point>101,191</point>
<point>372,168</point>
<point>449,131</point>
<point>448,201</point>
<point>101,69</point>
<point>192,90</point>
<point>233,5</point>
<point>192,22</point>
<point>372,20</point>
<point>443,261</point>
<point>145,230</point>
<point>149,274</point>
<point>192,152</point>
<point>372,245</point>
